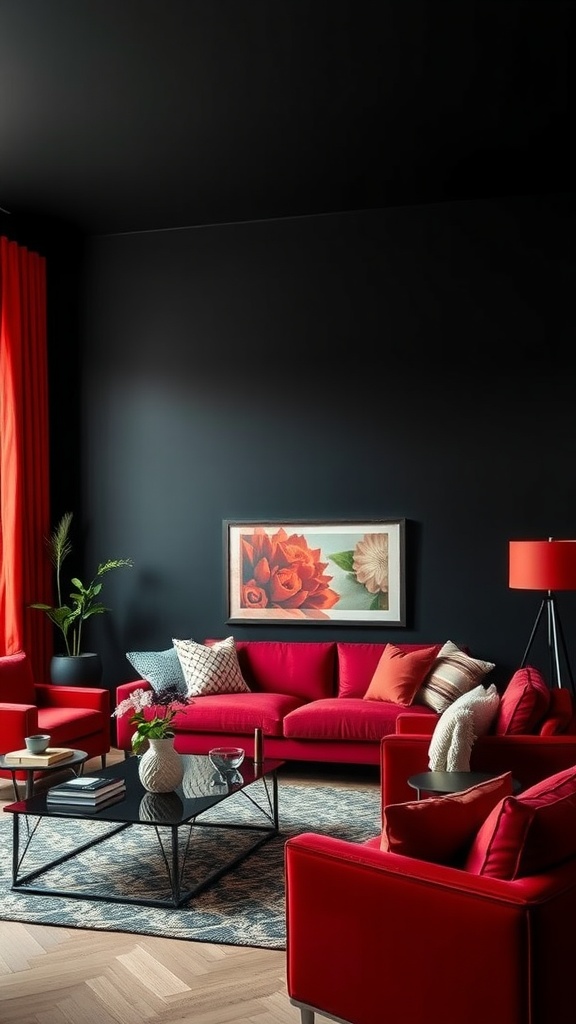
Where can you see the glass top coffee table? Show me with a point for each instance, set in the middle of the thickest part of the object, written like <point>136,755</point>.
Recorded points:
<point>176,818</point>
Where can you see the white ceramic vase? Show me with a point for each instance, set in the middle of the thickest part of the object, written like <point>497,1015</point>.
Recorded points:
<point>161,768</point>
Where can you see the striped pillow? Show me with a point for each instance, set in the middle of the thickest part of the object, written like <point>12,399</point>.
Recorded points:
<point>452,674</point>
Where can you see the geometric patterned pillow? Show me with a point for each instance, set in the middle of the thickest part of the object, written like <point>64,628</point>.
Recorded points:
<point>453,673</point>
<point>161,669</point>
<point>210,669</point>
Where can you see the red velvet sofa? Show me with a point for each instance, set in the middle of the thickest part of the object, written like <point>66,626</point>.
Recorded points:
<point>308,699</point>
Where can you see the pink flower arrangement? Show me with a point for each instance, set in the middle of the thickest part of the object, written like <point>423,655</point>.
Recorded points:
<point>159,726</point>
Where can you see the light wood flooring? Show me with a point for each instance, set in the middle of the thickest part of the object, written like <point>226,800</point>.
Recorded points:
<point>54,975</point>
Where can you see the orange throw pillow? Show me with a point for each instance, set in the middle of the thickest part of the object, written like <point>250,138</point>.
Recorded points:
<point>400,674</point>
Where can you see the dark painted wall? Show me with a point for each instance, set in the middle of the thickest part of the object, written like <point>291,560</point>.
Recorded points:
<point>397,363</point>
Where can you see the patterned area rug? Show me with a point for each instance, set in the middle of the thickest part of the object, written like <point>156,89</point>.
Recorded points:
<point>243,908</point>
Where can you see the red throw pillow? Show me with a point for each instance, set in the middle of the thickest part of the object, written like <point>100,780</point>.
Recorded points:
<point>400,674</point>
<point>441,829</point>
<point>523,704</point>
<point>528,834</point>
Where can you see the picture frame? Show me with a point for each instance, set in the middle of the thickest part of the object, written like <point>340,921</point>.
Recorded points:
<point>317,572</point>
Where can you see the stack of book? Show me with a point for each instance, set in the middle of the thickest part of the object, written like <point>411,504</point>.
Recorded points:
<point>27,759</point>
<point>86,792</point>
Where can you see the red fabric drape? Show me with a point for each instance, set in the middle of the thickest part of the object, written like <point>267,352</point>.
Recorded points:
<point>25,571</point>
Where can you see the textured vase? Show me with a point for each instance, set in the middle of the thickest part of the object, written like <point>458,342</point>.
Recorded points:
<point>160,768</point>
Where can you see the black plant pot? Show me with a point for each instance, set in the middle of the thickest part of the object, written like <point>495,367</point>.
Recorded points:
<point>80,670</point>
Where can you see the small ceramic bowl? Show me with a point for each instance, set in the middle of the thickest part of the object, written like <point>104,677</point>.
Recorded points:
<point>37,744</point>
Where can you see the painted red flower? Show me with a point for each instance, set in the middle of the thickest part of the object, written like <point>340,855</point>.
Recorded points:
<point>282,571</point>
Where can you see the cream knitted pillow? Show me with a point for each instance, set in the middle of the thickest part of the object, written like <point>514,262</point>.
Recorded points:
<point>459,726</point>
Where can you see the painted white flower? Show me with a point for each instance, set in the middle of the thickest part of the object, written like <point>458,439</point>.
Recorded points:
<point>370,562</point>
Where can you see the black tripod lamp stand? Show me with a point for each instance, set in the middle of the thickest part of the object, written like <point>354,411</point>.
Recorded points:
<point>547,565</point>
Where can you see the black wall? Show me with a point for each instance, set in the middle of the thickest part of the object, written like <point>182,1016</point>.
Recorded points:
<point>410,362</point>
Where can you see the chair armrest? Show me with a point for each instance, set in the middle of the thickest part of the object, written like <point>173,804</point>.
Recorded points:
<point>414,724</point>
<point>124,731</point>
<point>16,722</point>
<point>411,921</point>
<point>90,697</point>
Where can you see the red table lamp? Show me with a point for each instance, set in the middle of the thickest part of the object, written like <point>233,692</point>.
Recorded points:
<point>547,565</point>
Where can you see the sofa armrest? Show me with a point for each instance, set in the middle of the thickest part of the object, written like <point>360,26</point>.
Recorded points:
<point>16,722</point>
<point>125,731</point>
<point>561,716</point>
<point>412,922</point>
<point>92,698</point>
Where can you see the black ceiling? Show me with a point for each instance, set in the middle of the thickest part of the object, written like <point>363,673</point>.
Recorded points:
<point>127,115</point>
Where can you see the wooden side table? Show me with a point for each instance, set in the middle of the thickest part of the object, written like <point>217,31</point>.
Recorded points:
<point>452,782</point>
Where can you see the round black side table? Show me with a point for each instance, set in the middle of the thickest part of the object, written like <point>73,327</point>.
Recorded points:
<point>452,782</point>
<point>73,763</point>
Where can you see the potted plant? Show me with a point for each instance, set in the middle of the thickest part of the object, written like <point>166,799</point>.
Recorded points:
<point>75,665</point>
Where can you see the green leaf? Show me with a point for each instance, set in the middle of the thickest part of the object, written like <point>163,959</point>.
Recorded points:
<point>344,559</point>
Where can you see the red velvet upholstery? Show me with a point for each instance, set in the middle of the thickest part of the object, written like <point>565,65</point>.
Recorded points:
<point>308,699</point>
<point>74,716</point>
<point>529,758</point>
<point>375,936</point>
<point>296,700</point>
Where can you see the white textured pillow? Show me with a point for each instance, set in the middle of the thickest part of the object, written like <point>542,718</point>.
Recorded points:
<point>467,718</point>
<point>210,669</point>
<point>451,744</point>
<point>453,673</point>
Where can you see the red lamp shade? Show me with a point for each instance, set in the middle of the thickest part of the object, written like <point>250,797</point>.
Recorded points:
<point>542,565</point>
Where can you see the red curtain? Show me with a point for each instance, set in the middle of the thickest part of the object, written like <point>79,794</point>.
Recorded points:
<point>25,571</point>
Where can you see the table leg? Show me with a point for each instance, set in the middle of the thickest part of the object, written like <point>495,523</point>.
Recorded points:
<point>29,785</point>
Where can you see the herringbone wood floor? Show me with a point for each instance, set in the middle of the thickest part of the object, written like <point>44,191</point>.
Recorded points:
<point>69,976</point>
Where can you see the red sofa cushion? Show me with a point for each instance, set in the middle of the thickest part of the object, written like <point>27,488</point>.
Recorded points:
<point>237,713</point>
<point>523,704</point>
<point>357,663</point>
<point>441,829</point>
<point>305,670</point>
<point>530,833</point>
<point>16,680</point>
<point>399,674</point>
<point>337,719</point>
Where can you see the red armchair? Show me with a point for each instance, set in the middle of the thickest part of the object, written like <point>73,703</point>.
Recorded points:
<point>375,936</point>
<point>529,757</point>
<point>73,716</point>
<point>475,933</point>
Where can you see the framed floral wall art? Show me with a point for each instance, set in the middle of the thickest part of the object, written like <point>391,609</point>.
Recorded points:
<point>285,571</point>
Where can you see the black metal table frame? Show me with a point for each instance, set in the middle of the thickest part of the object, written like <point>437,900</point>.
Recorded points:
<point>174,864</point>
